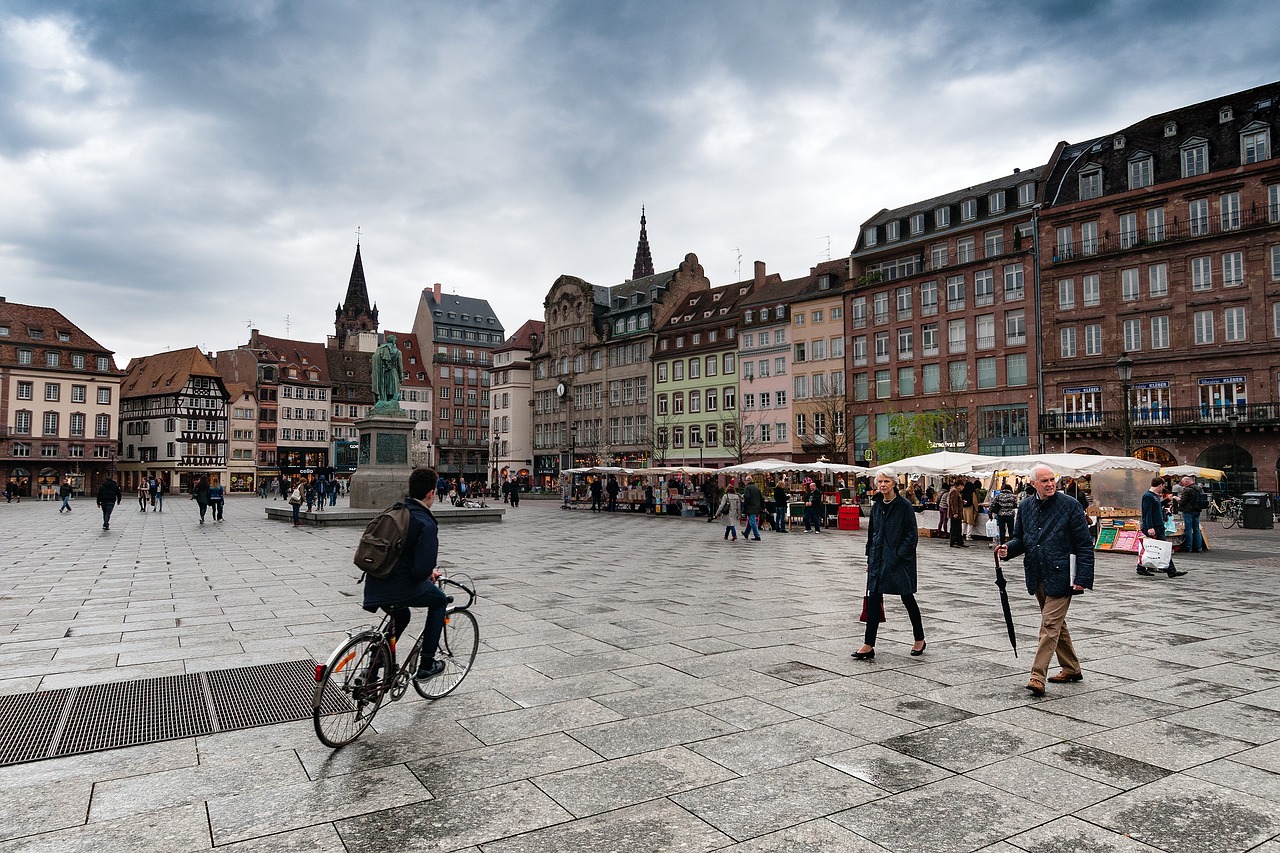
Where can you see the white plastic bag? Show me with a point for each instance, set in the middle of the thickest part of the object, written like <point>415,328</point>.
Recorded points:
<point>993,529</point>
<point>1154,554</point>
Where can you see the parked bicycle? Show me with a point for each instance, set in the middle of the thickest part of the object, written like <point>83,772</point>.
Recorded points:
<point>1230,512</point>
<point>362,672</point>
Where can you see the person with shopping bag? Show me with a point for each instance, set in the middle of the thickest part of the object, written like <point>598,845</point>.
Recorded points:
<point>1153,528</point>
<point>892,538</point>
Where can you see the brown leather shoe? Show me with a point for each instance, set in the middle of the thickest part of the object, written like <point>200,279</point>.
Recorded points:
<point>1064,677</point>
<point>1036,686</point>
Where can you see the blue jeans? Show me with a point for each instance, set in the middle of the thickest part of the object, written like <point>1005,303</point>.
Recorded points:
<point>780,518</point>
<point>1193,540</point>
<point>753,526</point>
<point>435,601</point>
<point>731,530</point>
<point>66,503</point>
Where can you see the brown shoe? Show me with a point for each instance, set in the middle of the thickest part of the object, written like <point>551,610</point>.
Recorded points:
<point>1064,677</point>
<point>1036,686</point>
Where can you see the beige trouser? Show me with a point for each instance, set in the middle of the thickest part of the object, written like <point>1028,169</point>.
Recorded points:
<point>1054,636</point>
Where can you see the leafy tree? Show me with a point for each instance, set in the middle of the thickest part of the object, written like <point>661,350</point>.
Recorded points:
<point>910,434</point>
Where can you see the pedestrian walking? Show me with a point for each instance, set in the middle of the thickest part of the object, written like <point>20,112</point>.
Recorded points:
<point>109,495</point>
<point>64,492</point>
<point>1051,530</point>
<point>200,494</point>
<point>892,538</point>
<point>161,488</point>
<point>217,495</point>
<point>295,503</point>
<point>710,495</point>
<point>730,506</point>
<point>515,492</point>
<point>752,505</point>
<point>1153,518</point>
<point>612,489</point>
<point>1004,505</point>
<point>812,506</point>
<point>597,495</point>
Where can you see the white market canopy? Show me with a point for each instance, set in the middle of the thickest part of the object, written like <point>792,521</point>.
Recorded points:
<point>758,466</point>
<point>601,469</point>
<point>1063,464</point>
<point>676,469</point>
<point>941,463</point>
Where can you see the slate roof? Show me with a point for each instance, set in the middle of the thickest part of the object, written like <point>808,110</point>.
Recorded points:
<point>301,355</point>
<point>522,338</point>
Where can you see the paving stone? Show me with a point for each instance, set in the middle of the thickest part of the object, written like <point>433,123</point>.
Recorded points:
<point>182,828</point>
<point>636,778</point>
<point>968,744</point>
<point>775,799</point>
<point>815,836</point>
<point>1033,780</point>
<point>500,764</point>
<point>658,825</point>
<point>964,815</point>
<point>1072,835</point>
<point>885,768</point>
<point>1164,744</point>
<point>643,734</point>
<point>1188,815</point>
<point>527,722</point>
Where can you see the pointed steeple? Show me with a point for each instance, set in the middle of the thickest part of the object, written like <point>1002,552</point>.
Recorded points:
<point>644,260</point>
<point>354,314</point>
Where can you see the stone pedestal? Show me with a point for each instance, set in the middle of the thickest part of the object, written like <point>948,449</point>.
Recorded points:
<point>382,473</point>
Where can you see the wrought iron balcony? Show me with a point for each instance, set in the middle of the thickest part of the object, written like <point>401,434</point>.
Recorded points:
<point>1156,419</point>
<point>1193,228</point>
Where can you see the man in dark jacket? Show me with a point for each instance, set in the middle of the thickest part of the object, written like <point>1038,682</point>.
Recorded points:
<point>412,582</point>
<point>781,506</point>
<point>1052,532</point>
<point>109,495</point>
<point>711,495</point>
<point>612,488</point>
<point>1153,523</point>
<point>1190,502</point>
<point>597,495</point>
<point>200,494</point>
<point>752,506</point>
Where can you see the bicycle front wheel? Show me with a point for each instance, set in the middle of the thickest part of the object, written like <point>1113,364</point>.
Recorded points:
<point>458,644</point>
<point>1231,518</point>
<point>351,688</point>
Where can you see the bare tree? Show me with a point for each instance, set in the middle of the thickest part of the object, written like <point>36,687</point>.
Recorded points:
<point>740,436</point>
<point>829,429</point>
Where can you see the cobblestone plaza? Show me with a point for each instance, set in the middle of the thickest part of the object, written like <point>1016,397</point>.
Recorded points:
<point>644,685</point>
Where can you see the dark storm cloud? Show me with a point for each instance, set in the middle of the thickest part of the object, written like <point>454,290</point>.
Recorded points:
<point>211,160</point>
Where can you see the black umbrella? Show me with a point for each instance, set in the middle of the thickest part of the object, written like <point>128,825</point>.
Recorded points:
<point>1004,605</point>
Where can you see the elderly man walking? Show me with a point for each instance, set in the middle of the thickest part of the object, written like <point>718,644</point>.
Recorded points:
<point>1052,533</point>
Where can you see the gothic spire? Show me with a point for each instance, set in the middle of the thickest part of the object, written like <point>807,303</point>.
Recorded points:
<point>644,260</point>
<point>354,314</point>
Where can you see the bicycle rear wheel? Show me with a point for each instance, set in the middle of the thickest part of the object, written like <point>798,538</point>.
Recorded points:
<point>458,644</point>
<point>351,688</point>
<point>1230,518</point>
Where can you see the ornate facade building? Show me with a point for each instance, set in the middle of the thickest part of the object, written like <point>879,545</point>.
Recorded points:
<point>59,400</point>
<point>173,420</point>
<point>460,333</point>
<point>1160,244</point>
<point>511,404</point>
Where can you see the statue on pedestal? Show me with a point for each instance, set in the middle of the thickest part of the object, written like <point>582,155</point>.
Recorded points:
<point>388,368</point>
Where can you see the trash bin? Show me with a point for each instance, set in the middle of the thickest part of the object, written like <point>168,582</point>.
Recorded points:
<point>1258,512</point>
<point>850,517</point>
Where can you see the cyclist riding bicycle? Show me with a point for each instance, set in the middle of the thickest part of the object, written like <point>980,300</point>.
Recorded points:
<point>412,582</point>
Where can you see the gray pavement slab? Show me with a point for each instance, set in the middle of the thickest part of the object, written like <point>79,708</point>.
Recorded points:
<point>642,685</point>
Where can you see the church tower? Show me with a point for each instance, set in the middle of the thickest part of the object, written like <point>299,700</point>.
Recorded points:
<point>354,315</point>
<point>644,260</point>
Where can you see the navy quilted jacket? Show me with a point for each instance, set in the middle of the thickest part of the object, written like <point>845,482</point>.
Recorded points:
<point>1047,533</point>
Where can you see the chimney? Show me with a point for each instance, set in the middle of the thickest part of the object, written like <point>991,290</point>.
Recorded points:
<point>759,274</point>
<point>436,287</point>
<point>253,339</point>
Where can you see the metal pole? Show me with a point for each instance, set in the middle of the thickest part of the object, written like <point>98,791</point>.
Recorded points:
<point>1035,279</point>
<point>1128,428</point>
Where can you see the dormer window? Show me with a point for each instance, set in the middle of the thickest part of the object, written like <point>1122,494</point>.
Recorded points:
<point>1026,194</point>
<point>1255,143</point>
<point>779,311</point>
<point>35,334</point>
<point>747,315</point>
<point>1140,170</point>
<point>764,314</point>
<point>1118,143</point>
<point>995,202</point>
<point>824,282</point>
<point>715,297</point>
<point>893,230</point>
<point>917,224</point>
<point>693,301</point>
<point>1195,157</point>
<point>1224,115</point>
<point>869,235</point>
<point>1171,129</point>
<point>942,217</point>
<point>1091,183</point>
<point>968,210</point>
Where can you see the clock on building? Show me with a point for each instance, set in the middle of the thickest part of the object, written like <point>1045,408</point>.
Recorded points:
<point>560,390</point>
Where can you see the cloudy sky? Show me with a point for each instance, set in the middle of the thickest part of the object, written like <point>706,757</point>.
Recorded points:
<point>172,171</point>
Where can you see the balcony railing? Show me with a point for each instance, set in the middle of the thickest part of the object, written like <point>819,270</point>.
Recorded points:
<point>1159,418</point>
<point>1194,227</point>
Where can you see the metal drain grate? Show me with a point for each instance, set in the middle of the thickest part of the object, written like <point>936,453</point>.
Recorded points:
<point>28,723</point>
<point>34,726</point>
<point>251,696</point>
<point>106,716</point>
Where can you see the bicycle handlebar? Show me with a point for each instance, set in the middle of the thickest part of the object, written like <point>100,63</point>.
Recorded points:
<point>469,590</point>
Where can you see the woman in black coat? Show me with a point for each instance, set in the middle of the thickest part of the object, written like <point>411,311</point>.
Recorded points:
<point>891,562</point>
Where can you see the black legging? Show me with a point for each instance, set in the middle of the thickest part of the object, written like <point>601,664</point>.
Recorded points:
<point>874,605</point>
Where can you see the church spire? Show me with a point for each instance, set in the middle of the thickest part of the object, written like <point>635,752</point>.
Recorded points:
<point>354,314</point>
<point>644,260</point>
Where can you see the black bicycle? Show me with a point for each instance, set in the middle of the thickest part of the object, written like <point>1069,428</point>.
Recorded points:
<point>362,672</point>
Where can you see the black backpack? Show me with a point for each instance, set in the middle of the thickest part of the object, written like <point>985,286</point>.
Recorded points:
<point>383,541</point>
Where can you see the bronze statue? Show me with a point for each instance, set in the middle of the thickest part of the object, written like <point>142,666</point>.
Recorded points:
<point>388,368</point>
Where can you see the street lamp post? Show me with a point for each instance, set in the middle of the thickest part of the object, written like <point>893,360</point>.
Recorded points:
<point>1124,370</point>
<point>494,481</point>
<point>1234,420</point>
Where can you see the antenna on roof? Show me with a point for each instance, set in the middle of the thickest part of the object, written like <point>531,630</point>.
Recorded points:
<point>828,239</point>
<point>286,325</point>
<point>738,277</point>
<point>248,324</point>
